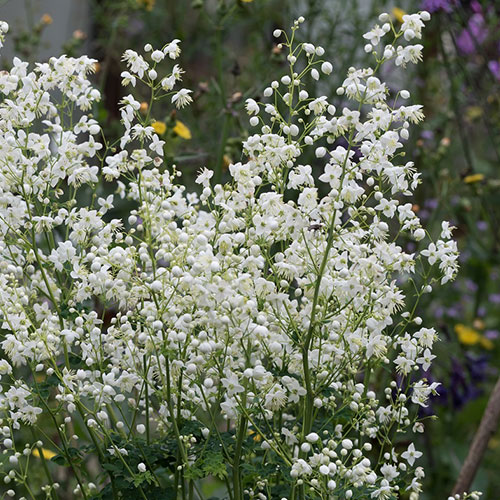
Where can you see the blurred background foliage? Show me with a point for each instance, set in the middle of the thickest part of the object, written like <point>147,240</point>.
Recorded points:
<point>229,54</point>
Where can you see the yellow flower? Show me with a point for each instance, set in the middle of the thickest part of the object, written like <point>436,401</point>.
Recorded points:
<point>398,14</point>
<point>181,130</point>
<point>470,179</point>
<point>256,437</point>
<point>247,1</point>
<point>148,4</point>
<point>47,454</point>
<point>486,343</point>
<point>474,112</point>
<point>467,335</point>
<point>159,127</point>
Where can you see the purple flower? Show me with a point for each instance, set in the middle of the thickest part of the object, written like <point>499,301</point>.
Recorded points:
<point>473,35</point>
<point>494,67</point>
<point>464,256</point>
<point>476,6</point>
<point>494,298</point>
<point>431,203</point>
<point>439,312</point>
<point>477,366</point>
<point>454,312</point>
<point>482,225</point>
<point>424,214</point>
<point>491,334</point>
<point>435,5</point>
<point>458,384</point>
<point>411,246</point>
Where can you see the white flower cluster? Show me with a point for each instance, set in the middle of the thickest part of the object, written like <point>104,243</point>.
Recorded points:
<point>271,302</point>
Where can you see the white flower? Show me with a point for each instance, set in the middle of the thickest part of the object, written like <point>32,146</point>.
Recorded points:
<point>135,62</point>
<point>300,468</point>
<point>411,454</point>
<point>204,176</point>
<point>243,300</point>
<point>128,78</point>
<point>374,35</point>
<point>252,107</point>
<point>172,49</point>
<point>426,359</point>
<point>156,145</point>
<point>182,98</point>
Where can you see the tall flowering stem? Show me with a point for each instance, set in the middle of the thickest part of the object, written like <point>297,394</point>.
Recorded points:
<point>227,335</point>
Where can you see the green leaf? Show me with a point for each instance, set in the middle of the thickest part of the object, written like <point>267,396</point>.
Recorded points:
<point>60,460</point>
<point>112,468</point>
<point>214,464</point>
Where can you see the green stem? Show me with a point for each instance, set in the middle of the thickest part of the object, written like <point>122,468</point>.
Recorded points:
<point>53,492</point>
<point>237,485</point>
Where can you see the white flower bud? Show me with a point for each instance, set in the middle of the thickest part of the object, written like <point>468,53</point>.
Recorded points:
<point>425,16</point>
<point>347,444</point>
<point>409,34</point>
<point>320,152</point>
<point>324,470</point>
<point>312,437</point>
<point>157,56</point>
<point>303,95</point>
<point>326,68</point>
<point>419,234</point>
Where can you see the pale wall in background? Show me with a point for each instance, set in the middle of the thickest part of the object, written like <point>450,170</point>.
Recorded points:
<point>67,15</point>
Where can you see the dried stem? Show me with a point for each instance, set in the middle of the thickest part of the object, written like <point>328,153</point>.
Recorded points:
<point>487,427</point>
